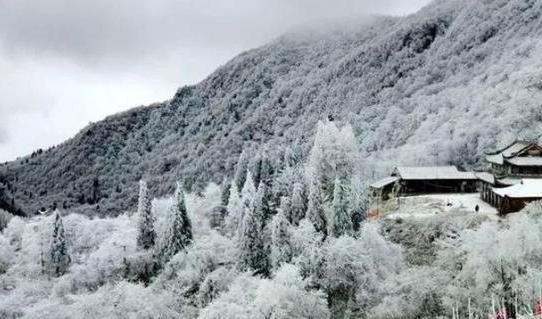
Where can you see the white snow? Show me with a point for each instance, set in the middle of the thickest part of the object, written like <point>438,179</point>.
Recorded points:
<point>426,206</point>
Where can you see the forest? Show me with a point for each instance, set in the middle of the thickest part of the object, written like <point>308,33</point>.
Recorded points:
<point>277,239</point>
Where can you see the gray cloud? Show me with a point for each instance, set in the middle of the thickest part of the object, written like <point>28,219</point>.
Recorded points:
<point>67,62</point>
<point>95,31</point>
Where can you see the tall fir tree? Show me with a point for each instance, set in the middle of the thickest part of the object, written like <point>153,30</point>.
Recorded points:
<point>262,168</point>
<point>315,211</point>
<point>341,221</point>
<point>146,236</point>
<point>241,169</point>
<point>298,205</point>
<point>248,193</point>
<point>179,228</point>
<point>234,208</point>
<point>225,195</point>
<point>59,258</point>
<point>281,240</point>
<point>253,255</point>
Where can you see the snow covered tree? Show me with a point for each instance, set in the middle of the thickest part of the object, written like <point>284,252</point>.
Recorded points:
<point>281,242</point>
<point>248,193</point>
<point>341,220</point>
<point>334,154</point>
<point>179,227</point>
<point>235,211</point>
<point>298,206</point>
<point>146,235</point>
<point>252,248</point>
<point>59,258</point>
<point>241,169</point>
<point>262,168</point>
<point>315,210</point>
<point>225,195</point>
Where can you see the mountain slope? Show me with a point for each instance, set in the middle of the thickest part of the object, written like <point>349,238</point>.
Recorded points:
<point>437,87</point>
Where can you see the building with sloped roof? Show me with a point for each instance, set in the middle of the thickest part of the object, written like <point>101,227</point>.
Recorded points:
<point>520,158</point>
<point>425,180</point>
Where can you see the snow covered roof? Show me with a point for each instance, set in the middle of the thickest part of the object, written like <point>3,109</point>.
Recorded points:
<point>432,173</point>
<point>528,188</point>
<point>526,161</point>
<point>511,152</point>
<point>486,177</point>
<point>385,182</point>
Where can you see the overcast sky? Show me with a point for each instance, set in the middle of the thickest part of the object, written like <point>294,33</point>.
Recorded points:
<point>65,63</point>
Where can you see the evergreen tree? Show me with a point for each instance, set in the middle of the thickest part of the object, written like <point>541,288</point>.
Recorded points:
<point>60,260</point>
<point>179,228</point>
<point>241,169</point>
<point>281,242</point>
<point>341,223</point>
<point>262,168</point>
<point>146,236</point>
<point>234,208</point>
<point>315,211</point>
<point>298,205</point>
<point>225,195</point>
<point>248,193</point>
<point>252,248</point>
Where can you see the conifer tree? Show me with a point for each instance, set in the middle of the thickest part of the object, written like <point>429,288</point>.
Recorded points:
<point>234,208</point>
<point>241,169</point>
<point>262,168</point>
<point>146,236</point>
<point>252,249</point>
<point>248,193</point>
<point>59,260</point>
<point>315,211</point>
<point>281,242</point>
<point>298,205</point>
<point>179,228</point>
<point>225,195</point>
<point>341,222</point>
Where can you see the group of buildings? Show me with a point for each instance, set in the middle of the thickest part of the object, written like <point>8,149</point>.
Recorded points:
<point>513,179</point>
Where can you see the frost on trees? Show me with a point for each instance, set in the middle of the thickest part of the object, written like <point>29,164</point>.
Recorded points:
<point>234,208</point>
<point>252,247</point>
<point>281,241</point>
<point>315,211</point>
<point>334,154</point>
<point>262,168</point>
<point>241,169</point>
<point>59,259</point>
<point>298,204</point>
<point>178,234</point>
<point>146,236</point>
<point>341,220</point>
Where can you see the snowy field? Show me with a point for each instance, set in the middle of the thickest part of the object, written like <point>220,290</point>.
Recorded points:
<point>431,205</point>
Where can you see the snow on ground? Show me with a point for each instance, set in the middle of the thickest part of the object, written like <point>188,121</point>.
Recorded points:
<point>425,206</point>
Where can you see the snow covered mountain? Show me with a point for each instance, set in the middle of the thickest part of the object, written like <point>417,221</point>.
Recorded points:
<point>437,87</point>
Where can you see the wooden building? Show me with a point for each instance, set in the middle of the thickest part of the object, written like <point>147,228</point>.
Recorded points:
<point>424,180</point>
<point>520,159</point>
<point>514,198</point>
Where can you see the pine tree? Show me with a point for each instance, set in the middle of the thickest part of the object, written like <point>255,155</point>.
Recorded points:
<point>341,223</point>
<point>262,168</point>
<point>241,170</point>
<point>60,260</point>
<point>252,248</point>
<point>225,195</point>
<point>179,231</point>
<point>248,193</point>
<point>234,208</point>
<point>281,245</point>
<point>146,236</point>
<point>315,211</point>
<point>298,205</point>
